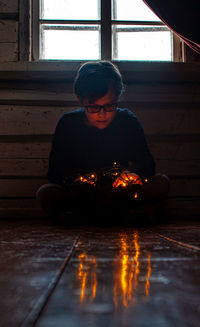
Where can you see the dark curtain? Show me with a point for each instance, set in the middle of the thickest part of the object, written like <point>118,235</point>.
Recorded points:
<point>183,17</point>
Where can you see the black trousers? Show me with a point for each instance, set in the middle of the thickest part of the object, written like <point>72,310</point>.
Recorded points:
<point>57,200</point>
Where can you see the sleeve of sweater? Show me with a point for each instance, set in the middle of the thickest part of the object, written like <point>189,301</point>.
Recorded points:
<point>57,157</point>
<point>142,161</point>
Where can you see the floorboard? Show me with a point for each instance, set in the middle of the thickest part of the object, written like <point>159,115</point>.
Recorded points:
<point>96,276</point>
<point>189,233</point>
<point>30,257</point>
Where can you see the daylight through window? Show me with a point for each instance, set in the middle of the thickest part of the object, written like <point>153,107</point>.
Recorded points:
<point>99,29</point>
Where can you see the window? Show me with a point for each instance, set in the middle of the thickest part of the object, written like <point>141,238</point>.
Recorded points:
<point>100,29</point>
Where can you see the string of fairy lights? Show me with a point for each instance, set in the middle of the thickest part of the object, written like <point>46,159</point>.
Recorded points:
<point>118,178</point>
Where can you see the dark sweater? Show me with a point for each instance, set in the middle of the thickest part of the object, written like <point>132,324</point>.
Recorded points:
<point>77,147</point>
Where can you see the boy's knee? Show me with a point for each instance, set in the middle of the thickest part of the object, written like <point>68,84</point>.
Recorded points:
<point>52,198</point>
<point>48,190</point>
<point>163,181</point>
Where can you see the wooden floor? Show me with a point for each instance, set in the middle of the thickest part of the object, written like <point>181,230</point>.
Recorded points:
<point>94,276</point>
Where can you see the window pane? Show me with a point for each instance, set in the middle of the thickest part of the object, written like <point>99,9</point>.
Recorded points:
<point>70,42</point>
<point>132,10</point>
<point>141,44</point>
<point>69,9</point>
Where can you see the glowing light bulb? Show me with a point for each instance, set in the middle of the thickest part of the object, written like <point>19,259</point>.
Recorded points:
<point>92,175</point>
<point>81,178</point>
<point>146,180</point>
<point>136,195</point>
<point>114,163</point>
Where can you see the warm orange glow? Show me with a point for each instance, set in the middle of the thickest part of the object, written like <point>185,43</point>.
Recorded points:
<point>126,273</point>
<point>124,269</point>
<point>87,268</point>
<point>127,178</point>
<point>146,180</point>
<point>90,179</point>
<point>134,271</point>
<point>94,279</point>
<point>83,286</point>
<point>82,275</point>
<point>136,260</point>
<point>120,274</point>
<point>124,278</point>
<point>136,195</point>
<point>147,285</point>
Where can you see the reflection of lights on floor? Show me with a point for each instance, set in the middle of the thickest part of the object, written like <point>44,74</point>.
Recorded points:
<point>127,270</point>
<point>126,273</point>
<point>136,260</point>
<point>147,286</point>
<point>94,279</point>
<point>82,275</point>
<point>124,269</point>
<point>87,275</point>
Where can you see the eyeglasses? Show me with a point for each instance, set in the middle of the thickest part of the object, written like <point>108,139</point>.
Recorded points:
<point>94,108</point>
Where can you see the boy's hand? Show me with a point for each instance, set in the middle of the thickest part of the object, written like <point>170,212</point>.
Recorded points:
<point>126,178</point>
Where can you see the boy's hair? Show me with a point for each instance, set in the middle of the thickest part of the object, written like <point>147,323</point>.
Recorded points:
<point>94,79</point>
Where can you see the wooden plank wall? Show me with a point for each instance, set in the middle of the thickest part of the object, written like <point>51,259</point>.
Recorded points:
<point>29,111</point>
<point>9,24</point>
<point>165,100</point>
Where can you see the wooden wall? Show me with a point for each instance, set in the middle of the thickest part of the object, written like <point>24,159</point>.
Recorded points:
<point>9,28</point>
<point>164,96</point>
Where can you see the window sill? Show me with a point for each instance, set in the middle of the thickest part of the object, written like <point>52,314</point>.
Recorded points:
<point>139,71</point>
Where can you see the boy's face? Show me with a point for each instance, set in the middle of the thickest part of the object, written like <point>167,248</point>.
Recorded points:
<point>103,118</point>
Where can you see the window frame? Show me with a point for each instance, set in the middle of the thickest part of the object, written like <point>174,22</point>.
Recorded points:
<point>106,24</point>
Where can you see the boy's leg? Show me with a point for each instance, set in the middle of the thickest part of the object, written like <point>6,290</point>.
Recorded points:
<point>148,207</point>
<point>153,194</point>
<point>156,188</point>
<point>53,199</point>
